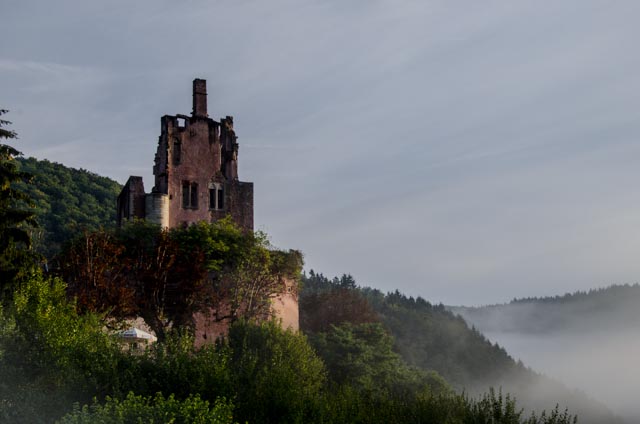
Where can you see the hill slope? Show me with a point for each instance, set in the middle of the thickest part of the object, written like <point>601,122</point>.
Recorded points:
<point>67,201</point>
<point>431,337</point>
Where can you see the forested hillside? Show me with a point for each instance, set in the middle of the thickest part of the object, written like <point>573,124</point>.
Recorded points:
<point>431,338</point>
<point>67,201</point>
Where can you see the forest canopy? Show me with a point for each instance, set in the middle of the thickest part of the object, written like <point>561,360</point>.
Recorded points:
<point>67,201</point>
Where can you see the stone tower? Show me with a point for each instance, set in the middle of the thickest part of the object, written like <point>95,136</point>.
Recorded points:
<point>195,170</point>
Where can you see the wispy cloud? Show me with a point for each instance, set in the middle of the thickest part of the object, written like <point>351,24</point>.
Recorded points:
<point>457,151</point>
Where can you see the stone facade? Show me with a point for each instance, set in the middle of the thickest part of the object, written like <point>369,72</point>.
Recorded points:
<point>284,307</point>
<point>196,173</point>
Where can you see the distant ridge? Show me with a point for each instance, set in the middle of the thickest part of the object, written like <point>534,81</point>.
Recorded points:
<point>595,309</point>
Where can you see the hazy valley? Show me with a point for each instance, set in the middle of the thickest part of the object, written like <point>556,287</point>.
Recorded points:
<point>587,340</point>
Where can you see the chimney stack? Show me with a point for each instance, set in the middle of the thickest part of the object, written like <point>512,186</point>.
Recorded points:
<point>199,98</point>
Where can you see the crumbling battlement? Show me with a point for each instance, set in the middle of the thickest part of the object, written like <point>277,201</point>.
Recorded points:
<point>195,171</point>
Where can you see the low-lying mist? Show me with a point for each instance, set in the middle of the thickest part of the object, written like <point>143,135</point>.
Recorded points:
<point>587,341</point>
<point>603,365</point>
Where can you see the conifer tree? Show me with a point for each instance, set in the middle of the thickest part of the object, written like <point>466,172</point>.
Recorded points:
<point>15,219</point>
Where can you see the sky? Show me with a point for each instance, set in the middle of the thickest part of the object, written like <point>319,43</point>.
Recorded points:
<point>466,152</point>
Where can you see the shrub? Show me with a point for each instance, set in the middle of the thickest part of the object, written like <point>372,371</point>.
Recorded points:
<point>153,410</point>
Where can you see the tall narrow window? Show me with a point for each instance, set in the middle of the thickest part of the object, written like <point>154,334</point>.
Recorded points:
<point>194,195</point>
<point>216,196</point>
<point>177,152</point>
<point>189,195</point>
<point>220,204</point>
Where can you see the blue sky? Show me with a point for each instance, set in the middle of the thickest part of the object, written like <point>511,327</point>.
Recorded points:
<point>467,152</point>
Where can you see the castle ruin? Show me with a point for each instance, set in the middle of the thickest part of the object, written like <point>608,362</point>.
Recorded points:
<point>196,179</point>
<point>196,173</point>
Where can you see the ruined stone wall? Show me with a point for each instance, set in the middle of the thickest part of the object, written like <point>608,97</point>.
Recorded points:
<point>284,308</point>
<point>198,163</point>
<point>285,305</point>
<point>196,167</point>
<point>157,209</point>
<point>131,202</point>
<point>239,198</point>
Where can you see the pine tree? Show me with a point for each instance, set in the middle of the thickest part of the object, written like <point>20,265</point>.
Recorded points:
<point>15,218</point>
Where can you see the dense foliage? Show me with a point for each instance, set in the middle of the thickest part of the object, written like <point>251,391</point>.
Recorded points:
<point>67,202</point>
<point>51,358</point>
<point>152,410</point>
<point>166,276</point>
<point>427,336</point>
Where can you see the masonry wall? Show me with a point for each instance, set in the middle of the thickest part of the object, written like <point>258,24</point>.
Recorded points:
<point>131,200</point>
<point>197,151</point>
<point>284,307</point>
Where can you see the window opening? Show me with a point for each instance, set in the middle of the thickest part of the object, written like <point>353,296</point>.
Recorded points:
<point>177,152</point>
<point>220,197</point>
<point>194,195</point>
<point>189,195</point>
<point>216,196</point>
<point>186,199</point>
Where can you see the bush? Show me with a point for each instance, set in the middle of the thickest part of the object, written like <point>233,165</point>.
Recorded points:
<point>50,356</point>
<point>276,374</point>
<point>153,410</point>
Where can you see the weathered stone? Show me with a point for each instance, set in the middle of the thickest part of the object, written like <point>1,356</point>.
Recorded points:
<point>196,166</point>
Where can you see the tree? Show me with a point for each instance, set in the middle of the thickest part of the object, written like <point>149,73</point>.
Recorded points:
<point>241,271</point>
<point>276,374</point>
<point>97,275</point>
<point>325,303</point>
<point>167,276</point>
<point>362,356</point>
<point>51,356</point>
<point>14,218</point>
<point>319,311</point>
<point>163,293</point>
<point>131,272</point>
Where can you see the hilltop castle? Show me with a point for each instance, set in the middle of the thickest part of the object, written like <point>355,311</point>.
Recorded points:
<point>196,173</point>
<point>196,179</point>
